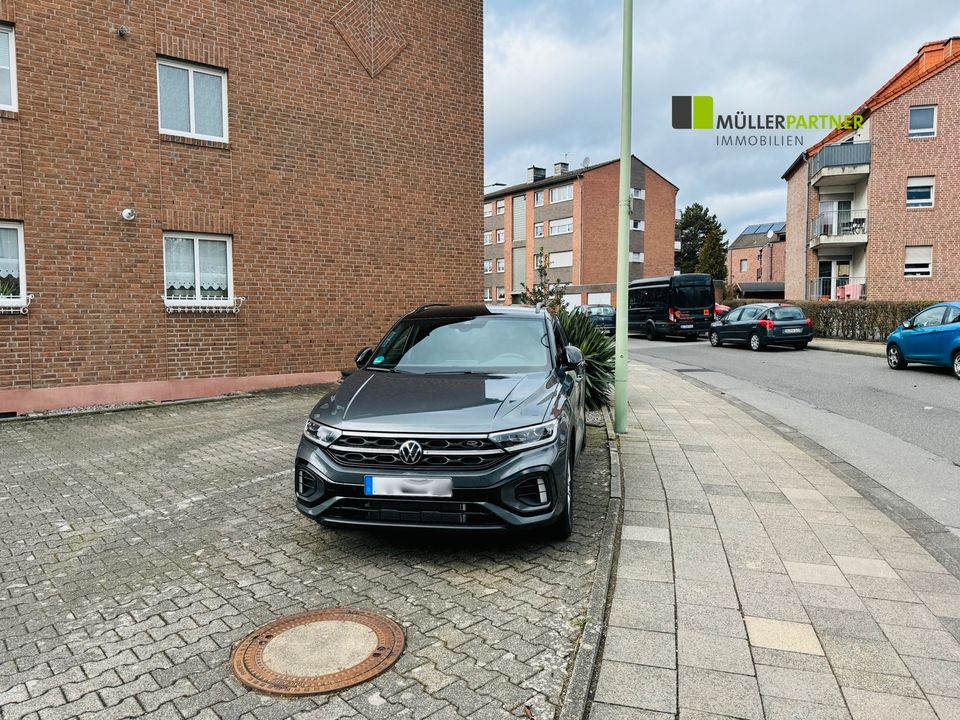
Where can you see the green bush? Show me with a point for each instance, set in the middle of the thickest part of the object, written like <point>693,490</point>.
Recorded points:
<point>869,320</point>
<point>598,354</point>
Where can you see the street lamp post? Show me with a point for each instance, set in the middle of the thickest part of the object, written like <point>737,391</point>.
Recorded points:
<point>623,224</point>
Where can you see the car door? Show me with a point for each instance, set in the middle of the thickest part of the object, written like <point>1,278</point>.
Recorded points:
<point>919,340</point>
<point>740,330</point>
<point>725,329</point>
<point>945,337</point>
<point>577,398</point>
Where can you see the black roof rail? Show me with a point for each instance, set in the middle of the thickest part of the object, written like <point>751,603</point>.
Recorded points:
<point>428,305</point>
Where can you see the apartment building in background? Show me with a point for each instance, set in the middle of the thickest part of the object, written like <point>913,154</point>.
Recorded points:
<point>872,213</point>
<point>189,189</point>
<point>755,261</point>
<point>572,215</point>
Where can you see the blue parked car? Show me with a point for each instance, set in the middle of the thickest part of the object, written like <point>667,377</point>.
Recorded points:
<point>932,337</point>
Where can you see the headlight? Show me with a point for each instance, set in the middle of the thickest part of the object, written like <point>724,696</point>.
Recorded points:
<point>527,437</point>
<point>321,434</point>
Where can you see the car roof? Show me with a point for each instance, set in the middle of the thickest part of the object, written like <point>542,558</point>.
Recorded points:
<point>442,310</point>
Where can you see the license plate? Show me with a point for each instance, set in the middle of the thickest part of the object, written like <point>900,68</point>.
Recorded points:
<point>407,486</point>
<point>791,331</point>
<point>686,327</point>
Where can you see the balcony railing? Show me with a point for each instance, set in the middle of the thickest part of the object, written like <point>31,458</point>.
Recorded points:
<point>837,155</point>
<point>838,288</point>
<point>839,222</point>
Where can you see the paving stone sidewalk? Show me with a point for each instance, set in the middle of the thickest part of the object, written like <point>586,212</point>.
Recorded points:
<point>752,582</point>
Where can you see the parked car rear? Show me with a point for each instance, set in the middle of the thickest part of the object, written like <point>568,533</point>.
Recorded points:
<point>931,337</point>
<point>671,305</point>
<point>603,316</point>
<point>763,324</point>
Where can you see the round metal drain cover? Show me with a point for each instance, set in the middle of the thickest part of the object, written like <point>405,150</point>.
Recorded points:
<point>317,651</point>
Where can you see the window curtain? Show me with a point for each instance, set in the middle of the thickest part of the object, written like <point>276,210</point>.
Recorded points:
<point>6,79</point>
<point>9,254</point>
<point>213,268</point>
<point>180,274</point>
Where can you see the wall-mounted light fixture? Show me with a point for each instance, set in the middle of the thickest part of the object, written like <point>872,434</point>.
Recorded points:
<point>128,214</point>
<point>123,31</point>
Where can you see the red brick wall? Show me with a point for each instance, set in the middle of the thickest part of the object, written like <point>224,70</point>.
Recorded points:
<point>799,210</point>
<point>660,212</point>
<point>599,189</point>
<point>770,271</point>
<point>320,157</point>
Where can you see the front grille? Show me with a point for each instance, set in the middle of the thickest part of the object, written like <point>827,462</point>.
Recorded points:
<point>420,512</point>
<point>365,450</point>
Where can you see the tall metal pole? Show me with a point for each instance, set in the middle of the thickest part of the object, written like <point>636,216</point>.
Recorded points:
<point>623,223</point>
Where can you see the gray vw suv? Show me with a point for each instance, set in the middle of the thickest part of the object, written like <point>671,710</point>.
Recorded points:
<point>463,417</point>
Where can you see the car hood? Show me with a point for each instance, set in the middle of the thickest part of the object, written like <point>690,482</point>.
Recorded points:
<point>397,402</point>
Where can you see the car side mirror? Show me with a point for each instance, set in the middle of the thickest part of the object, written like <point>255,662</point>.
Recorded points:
<point>907,324</point>
<point>574,357</point>
<point>363,356</point>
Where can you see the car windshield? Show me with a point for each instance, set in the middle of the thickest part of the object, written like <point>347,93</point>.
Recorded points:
<point>600,310</point>
<point>487,344</point>
<point>693,296</point>
<point>787,313</point>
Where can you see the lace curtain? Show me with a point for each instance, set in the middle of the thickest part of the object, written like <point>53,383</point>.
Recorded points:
<point>9,253</point>
<point>181,272</point>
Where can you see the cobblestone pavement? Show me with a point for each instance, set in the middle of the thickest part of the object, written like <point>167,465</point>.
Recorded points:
<point>753,582</point>
<point>137,547</point>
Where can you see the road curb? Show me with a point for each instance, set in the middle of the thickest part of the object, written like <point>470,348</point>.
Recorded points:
<point>845,351</point>
<point>579,684</point>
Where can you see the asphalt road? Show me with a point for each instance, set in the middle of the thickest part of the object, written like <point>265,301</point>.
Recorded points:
<point>901,428</point>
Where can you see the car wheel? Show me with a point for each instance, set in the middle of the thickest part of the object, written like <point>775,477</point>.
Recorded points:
<point>715,338</point>
<point>755,343</point>
<point>651,331</point>
<point>895,357</point>
<point>956,364</point>
<point>563,527</point>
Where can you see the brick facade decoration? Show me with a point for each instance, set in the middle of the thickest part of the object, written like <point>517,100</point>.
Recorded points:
<point>850,231</point>
<point>592,240</point>
<point>324,144</point>
<point>756,261</point>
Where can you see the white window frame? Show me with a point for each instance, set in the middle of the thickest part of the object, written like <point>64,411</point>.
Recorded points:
<point>744,264</point>
<point>501,265</point>
<point>21,299</point>
<point>194,68</point>
<point>501,294</point>
<point>637,225</point>
<point>198,301</point>
<point>922,133</point>
<point>487,294</point>
<point>561,232</point>
<point>488,237</point>
<point>538,230</point>
<point>12,107</point>
<point>538,198</point>
<point>637,193</point>
<point>538,261</point>
<point>501,207</point>
<point>917,272</point>
<point>564,254</point>
<point>501,236</point>
<point>636,257</point>
<point>488,210</point>
<point>921,181</point>
<point>555,193</point>
<point>487,267</point>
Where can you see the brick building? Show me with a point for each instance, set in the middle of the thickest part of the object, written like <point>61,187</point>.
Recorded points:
<point>872,213</point>
<point>261,150</point>
<point>572,215</point>
<point>755,261</point>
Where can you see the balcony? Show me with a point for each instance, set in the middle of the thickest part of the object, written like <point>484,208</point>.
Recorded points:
<point>839,227</point>
<point>838,288</point>
<point>843,164</point>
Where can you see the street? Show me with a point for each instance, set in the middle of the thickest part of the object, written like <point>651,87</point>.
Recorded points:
<point>900,428</point>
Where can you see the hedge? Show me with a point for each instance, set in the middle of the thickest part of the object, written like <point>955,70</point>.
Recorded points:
<point>869,320</point>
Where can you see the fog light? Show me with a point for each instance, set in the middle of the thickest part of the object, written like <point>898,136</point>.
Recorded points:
<point>533,492</point>
<point>308,484</point>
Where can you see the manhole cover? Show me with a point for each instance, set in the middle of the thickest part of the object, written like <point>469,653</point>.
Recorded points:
<point>317,651</point>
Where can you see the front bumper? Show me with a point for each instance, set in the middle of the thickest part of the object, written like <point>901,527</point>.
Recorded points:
<point>488,499</point>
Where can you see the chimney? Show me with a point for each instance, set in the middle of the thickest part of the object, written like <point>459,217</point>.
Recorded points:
<point>560,168</point>
<point>535,173</point>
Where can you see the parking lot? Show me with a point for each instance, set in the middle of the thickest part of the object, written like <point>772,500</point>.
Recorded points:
<point>137,547</point>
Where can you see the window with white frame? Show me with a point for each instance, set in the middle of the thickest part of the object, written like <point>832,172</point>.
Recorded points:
<point>501,207</point>
<point>487,237</point>
<point>538,261</point>
<point>488,293</point>
<point>538,230</point>
<point>197,269</point>
<point>923,121</point>
<point>744,265</point>
<point>918,261</point>
<point>538,198</point>
<point>487,267</point>
<point>637,193</point>
<point>562,193</point>
<point>500,264</point>
<point>487,209</point>
<point>561,259</point>
<point>8,69</point>
<point>193,100</point>
<point>501,294</point>
<point>920,192</point>
<point>637,225</point>
<point>13,278</point>
<point>562,226</point>
<point>500,236</point>
<point>636,257</point>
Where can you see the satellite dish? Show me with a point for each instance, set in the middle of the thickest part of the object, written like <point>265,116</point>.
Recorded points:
<point>586,161</point>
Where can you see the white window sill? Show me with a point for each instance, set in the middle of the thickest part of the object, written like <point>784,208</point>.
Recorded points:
<point>17,306</point>
<point>230,305</point>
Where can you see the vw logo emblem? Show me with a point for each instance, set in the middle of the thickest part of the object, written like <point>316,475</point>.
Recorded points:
<point>411,452</point>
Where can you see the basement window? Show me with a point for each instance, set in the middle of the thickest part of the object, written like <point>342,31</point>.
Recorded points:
<point>13,278</point>
<point>197,271</point>
<point>193,100</point>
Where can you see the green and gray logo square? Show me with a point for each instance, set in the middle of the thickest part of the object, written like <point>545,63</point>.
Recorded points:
<point>693,112</point>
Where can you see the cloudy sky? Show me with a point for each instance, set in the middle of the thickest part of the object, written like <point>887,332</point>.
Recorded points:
<point>552,83</point>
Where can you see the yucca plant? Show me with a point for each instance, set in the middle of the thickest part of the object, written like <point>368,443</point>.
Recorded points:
<point>598,354</point>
